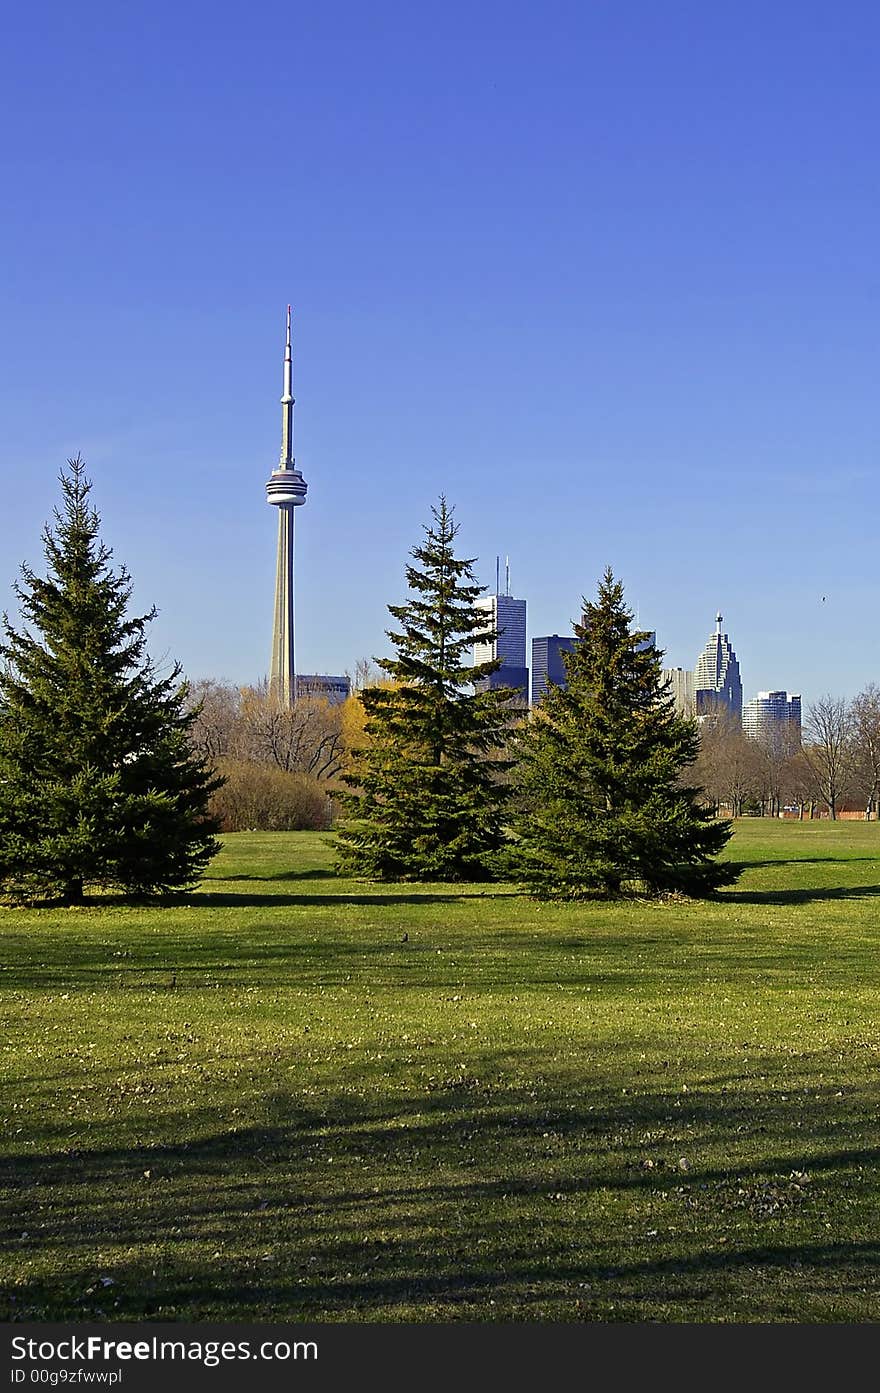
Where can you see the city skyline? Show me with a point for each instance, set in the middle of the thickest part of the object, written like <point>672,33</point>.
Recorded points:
<point>636,332</point>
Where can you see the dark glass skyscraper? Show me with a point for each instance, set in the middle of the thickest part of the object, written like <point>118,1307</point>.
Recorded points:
<point>507,616</point>
<point>548,664</point>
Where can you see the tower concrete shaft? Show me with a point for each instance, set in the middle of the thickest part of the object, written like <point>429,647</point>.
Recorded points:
<point>282,673</point>
<point>285,490</point>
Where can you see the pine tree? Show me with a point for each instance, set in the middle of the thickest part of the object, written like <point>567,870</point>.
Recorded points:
<point>99,784</point>
<point>429,780</point>
<point>604,809</point>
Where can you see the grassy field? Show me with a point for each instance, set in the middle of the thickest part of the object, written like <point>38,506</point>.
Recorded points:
<point>300,1097</point>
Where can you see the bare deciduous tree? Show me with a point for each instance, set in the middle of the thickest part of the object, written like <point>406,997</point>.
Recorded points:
<point>729,765</point>
<point>249,725</point>
<point>366,674</point>
<point>777,747</point>
<point>828,749</point>
<point>305,738</point>
<point>865,718</point>
<point>800,788</point>
<point>214,732</point>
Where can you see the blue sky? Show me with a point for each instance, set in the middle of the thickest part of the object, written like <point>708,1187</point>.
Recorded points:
<point>605,274</point>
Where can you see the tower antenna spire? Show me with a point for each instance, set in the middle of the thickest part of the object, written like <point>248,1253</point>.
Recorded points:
<point>286,460</point>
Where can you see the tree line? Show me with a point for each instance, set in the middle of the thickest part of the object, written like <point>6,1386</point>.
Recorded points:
<point>115,775</point>
<point>833,764</point>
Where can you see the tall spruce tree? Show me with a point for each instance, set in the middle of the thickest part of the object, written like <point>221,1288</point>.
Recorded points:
<point>429,785</point>
<point>603,805</point>
<point>99,784</point>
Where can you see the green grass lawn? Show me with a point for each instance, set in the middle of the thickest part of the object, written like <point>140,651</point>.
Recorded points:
<point>300,1097</point>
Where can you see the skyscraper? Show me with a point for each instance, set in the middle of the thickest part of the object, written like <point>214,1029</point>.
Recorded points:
<point>774,717</point>
<point>680,682</point>
<point>507,616</point>
<point>717,681</point>
<point>285,490</point>
<point>548,664</point>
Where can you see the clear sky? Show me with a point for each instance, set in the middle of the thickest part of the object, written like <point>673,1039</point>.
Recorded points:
<point>607,274</point>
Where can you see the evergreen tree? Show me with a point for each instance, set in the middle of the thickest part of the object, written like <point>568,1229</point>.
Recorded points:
<point>603,806</point>
<point>99,784</point>
<point>429,778</point>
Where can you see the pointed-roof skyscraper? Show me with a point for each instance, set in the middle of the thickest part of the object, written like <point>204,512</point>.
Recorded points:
<point>285,490</point>
<point>717,680</point>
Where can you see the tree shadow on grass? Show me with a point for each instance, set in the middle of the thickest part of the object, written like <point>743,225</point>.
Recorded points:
<point>810,861</point>
<point>805,895</point>
<point>254,899</point>
<point>319,873</point>
<point>218,899</point>
<point>410,1283</point>
<point>336,1206</point>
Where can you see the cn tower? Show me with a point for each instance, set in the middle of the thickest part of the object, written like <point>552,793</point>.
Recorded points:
<point>285,490</point>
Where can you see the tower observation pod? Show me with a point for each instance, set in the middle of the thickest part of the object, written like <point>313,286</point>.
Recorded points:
<point>286,489</point>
